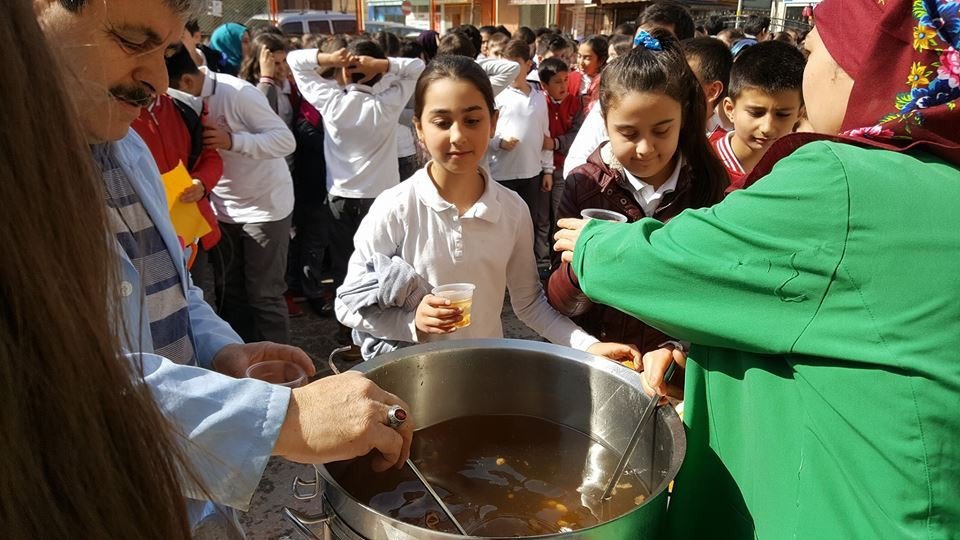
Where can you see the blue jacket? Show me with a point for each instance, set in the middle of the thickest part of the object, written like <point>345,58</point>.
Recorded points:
<point>229,425</point>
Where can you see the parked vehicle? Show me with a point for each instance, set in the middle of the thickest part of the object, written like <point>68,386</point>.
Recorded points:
<point>392,27</point>
<point>310,21</point>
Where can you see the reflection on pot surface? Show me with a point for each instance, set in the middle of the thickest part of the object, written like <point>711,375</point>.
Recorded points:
<point>501,475</point>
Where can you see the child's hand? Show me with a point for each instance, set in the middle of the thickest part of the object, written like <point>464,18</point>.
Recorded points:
<point>547,184</point>
<point>216,138</point>
<point>508,144</point>
<point>268,66</point>
<point>548,143</point>
<point>434,316</point>
<point>339,59</point>
<point>193,193</point>
<point>618,352</point>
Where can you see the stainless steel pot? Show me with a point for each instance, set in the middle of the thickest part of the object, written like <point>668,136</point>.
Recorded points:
<point>451,379</point>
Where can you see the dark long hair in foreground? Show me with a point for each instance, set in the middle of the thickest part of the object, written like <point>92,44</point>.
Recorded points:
<point>85,453</point>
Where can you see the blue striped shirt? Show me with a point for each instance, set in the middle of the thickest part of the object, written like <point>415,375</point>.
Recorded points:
<point>138,236</point>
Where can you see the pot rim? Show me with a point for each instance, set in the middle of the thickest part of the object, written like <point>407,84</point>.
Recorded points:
<point>607,366</point>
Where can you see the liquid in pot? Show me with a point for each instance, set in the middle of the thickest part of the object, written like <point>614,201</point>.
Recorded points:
<point>501,476</point>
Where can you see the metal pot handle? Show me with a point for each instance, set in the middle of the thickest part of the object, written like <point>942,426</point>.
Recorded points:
<point>303,521</point>
<point>334,353</point>
<point>306,496</point>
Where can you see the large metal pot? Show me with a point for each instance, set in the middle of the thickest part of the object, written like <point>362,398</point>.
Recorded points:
<point>451,379</point>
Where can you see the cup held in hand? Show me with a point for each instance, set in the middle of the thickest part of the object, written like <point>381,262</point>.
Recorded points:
<point>603,215</point>
<point>460,296</point>
<point>278,372</point>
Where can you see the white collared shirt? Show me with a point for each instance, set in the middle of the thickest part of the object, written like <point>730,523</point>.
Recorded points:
<point>256,186</point>
<point>359,123</point>
<point>523,117</point>
<point>490,245</point>
<point>647,196</point>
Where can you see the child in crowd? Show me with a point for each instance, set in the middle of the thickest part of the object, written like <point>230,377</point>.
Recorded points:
<point>656,164</point>
<point>172,127</point>
<point>765,103</point>
<point>398,259</point>
<point>591,58</point>
<point>517,157</point>
<point>253,200</point>
<point>618,45</point>
<point>551,45</point>
<point>360,120</point>
<point>711,61</point>
<point>496,43</point>
<point>565,114</point>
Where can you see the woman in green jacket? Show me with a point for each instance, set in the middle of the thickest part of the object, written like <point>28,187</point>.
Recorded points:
<point>823,303</point>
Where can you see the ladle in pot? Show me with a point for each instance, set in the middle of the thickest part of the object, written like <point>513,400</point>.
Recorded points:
<point>645,417</point>
<point>409,462</point>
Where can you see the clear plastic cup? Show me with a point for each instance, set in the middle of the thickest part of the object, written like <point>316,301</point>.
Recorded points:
<point>460,296</point>
<point>278,372</point>
<point>603,215</point>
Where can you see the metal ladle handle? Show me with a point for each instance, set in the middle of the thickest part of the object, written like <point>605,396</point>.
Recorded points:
<point>635,438</point>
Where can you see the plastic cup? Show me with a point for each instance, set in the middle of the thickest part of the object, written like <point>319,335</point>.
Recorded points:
<point>460,296</point>
<point>278,372</point>
<point>603,215</point>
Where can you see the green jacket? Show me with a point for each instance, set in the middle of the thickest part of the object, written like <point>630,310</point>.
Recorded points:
<point>823,388</point>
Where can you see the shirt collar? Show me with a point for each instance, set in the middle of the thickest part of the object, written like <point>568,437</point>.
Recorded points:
<point>209,82</point>
<point>647,191</point>
<point>487,207</point>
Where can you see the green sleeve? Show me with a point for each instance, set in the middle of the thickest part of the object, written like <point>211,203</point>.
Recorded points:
<point>749,273</point>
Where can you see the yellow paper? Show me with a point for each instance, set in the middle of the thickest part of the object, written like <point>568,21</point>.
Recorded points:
<point>187,220</point>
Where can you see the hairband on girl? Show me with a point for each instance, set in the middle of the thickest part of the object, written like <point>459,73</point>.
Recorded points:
<point>647,41</point>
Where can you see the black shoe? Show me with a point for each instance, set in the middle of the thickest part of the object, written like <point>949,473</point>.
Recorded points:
<point>321,307</point>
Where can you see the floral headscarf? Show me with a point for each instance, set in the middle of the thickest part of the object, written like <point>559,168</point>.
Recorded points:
<point>902,56</point>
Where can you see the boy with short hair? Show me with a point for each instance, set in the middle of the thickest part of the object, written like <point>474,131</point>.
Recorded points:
<point>565,115</point>
<point>765,103</point>
<point>496,43</point>
<point>711,61</point>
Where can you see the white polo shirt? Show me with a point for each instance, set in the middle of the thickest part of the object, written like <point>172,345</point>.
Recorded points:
<point>490,245</point>
<point>359,123</point>
<point>524,117</point>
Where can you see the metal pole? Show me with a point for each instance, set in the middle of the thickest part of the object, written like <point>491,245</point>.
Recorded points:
<point>433,9</point>
<point>739,13</point>
<point>359,15</point>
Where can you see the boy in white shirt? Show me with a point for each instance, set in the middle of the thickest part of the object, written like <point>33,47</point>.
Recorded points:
<point>360,96</point>
<point>253,200</point>
<point>516,155</point>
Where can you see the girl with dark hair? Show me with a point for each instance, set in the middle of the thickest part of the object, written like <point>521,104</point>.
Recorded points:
<point>451,197</point>
<point>430,42</point>
<point>86,451</point>
<point>656,164</point>
<point>591,59</point>
<point>268,71</point>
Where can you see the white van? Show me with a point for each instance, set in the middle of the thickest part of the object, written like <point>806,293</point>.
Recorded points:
<point>309,21</point>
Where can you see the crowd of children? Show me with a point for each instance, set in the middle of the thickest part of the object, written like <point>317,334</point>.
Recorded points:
<point>649,121</point>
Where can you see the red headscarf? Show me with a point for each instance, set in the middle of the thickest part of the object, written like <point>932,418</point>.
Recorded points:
<point>904,60</point>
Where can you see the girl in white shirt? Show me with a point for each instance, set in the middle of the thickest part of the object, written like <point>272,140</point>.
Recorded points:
<point>451,223</point>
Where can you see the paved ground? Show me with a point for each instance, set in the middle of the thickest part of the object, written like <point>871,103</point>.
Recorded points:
<point>317,336</point>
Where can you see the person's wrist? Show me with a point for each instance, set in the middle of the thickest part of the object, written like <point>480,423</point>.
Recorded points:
<point>290,438</point>
<point>229,141</point>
